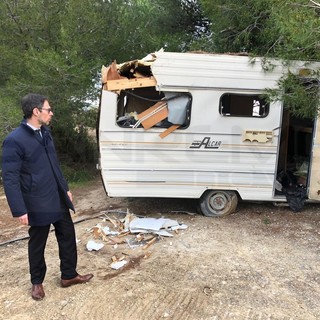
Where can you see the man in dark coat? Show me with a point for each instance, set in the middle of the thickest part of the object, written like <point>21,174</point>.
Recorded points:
<point>37,193</point>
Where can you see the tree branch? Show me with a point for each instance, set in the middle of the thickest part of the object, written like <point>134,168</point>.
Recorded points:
<point>317,4</point>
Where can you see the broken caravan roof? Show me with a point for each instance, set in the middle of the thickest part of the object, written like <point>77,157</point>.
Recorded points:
<point>138,74</point>
<point>129,75</point>
<point>147,71</point>
<point>173,70</point>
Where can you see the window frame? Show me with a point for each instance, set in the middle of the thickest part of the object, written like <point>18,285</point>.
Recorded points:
<point>255,96</point>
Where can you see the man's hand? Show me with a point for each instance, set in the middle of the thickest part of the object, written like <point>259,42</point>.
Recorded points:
<point>70,195</point>
<point>24,219</point>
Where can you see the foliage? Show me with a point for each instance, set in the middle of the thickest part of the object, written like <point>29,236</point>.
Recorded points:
<point>285,29</point>
<point>78,175</point>
<point>278,28</point>
<point>57,48</point>
<point>10,115</point>
<point>299,94</point>
<point>237,25</point>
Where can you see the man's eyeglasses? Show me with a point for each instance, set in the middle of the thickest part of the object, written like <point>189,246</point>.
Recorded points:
<point>47,109</point>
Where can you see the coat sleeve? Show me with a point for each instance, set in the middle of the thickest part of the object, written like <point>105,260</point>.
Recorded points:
<point>12,158</point>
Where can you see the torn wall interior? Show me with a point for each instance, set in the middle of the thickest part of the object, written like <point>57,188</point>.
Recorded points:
<point>139,102</point>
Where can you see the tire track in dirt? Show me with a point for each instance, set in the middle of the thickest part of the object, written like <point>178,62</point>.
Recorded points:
<point>149,304</point>
<point>182,305</point>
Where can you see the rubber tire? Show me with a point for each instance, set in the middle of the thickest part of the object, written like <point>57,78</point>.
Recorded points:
<point>217,203</point>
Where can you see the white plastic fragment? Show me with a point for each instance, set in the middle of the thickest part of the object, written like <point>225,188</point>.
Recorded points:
<point>179,227</point>
<point>109,232</point>
<point>92,245</point>
<point>118,264</point>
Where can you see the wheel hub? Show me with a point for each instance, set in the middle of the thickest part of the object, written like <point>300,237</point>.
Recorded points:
<point>218,201</point>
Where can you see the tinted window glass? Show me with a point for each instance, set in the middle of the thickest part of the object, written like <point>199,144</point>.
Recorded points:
<point>242,105</point>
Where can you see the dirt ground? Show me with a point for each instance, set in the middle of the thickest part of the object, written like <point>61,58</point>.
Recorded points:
<point>262,262</point>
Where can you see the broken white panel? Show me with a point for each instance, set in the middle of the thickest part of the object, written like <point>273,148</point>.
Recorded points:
<point>93,245</point>
<point>118,264</point>
<point>169,223</point>
<point>142,231</point>
<point>163,233</point>
<point>146,224</point>
<point>152,225</point>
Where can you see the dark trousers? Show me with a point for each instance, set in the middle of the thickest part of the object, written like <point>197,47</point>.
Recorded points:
<point>65,235</point>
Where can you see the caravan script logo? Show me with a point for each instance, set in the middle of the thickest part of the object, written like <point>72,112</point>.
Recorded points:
<point>206,143</point>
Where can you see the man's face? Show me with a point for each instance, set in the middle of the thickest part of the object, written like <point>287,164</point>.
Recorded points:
<point>45,114</point>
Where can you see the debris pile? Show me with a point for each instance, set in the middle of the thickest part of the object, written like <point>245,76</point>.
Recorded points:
<point>131,231</point>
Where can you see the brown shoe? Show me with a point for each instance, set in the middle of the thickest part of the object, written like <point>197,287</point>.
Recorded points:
<point>37,292</point>
<point>76,280</point>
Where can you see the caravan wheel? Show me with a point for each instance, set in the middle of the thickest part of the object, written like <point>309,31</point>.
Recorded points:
<point>216,203</point>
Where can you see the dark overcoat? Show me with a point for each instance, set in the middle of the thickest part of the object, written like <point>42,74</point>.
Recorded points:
<point>32,177</point>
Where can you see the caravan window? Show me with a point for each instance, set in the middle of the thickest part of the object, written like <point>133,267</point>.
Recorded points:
<point>243,105</point>
<point>147,108</point>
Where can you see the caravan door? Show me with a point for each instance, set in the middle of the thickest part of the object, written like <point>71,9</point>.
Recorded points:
<point>314,172</point>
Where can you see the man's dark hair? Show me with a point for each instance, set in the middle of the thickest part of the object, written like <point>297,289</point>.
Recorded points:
<point>31,101</point>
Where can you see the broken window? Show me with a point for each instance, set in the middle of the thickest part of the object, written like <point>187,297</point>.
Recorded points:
<point>243,105</point>
<point>146,107</point>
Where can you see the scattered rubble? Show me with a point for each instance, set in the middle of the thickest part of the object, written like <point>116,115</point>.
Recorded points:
<point>131,231</point>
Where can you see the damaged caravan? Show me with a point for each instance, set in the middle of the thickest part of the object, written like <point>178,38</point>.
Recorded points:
<point>190,125</point>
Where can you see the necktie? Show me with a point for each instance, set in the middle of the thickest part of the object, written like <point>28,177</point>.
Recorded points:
<point>38,133</point>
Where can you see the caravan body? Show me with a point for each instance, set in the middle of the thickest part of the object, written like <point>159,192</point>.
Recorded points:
<point>218,141</point>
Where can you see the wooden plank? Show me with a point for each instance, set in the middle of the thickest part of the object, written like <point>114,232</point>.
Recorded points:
<point>169,130</point>
<point>114,85</point>
<point>149,243</point>
<point>110,73</point>
<point>153,115</point>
